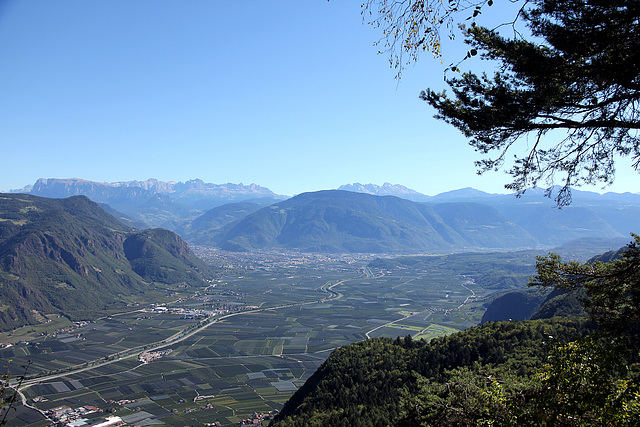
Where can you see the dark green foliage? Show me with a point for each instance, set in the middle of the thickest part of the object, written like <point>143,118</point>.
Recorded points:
<point>536,304</point>
<point>611,289</point>
<point>67,256</point>
<point>583,383</point>
<point>561,303</point>
<point>362,384</point>
<point>589,382</point>
<point>570,95</point>
<point>477,395</point>
<point>162,256</point>
<point>516,305</point>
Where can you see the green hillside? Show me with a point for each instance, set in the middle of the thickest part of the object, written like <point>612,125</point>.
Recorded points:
<point>363,384</point>
<point>203,229</point>
<point>342,221</point>
<point>69,256</point>
<point>162,256</point>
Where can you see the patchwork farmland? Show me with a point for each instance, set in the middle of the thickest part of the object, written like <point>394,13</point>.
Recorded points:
<point>253,338</point>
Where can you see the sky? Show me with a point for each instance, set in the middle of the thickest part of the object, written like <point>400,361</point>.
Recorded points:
<point>287,94</point>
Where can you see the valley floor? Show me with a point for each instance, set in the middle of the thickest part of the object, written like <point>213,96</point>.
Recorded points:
<point>241,347</point>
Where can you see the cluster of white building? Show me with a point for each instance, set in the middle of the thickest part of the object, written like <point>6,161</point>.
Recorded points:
<point>150,356</point>
<point>78,417</point>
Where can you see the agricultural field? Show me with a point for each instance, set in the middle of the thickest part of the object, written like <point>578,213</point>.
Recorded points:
<point>247,342</point>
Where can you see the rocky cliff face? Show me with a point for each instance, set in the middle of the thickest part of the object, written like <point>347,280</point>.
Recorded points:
<point>153,203</point>
<point>386,189</point>
<point>104,191</point>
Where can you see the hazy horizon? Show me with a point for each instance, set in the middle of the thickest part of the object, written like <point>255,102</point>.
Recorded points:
<point>291,96</point>
<point>13,190</point>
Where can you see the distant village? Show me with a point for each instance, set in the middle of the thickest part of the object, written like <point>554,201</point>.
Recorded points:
<point>150,356</point>
<point>269,259</point>
<point>257,419</point>
<point>90,416</point>
<point>78,417</point>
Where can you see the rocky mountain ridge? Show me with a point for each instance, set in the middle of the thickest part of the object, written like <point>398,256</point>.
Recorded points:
<point>154,203</point>
<point>198,211</point>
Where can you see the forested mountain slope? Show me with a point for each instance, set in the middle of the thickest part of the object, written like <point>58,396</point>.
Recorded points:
<point>362,384</point>
<point>69,256</point>
<point>343,221</point>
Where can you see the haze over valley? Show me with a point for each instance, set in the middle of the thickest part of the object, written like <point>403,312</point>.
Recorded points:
<point>91,284</point>
<point>320,213</point>
<point>354,218</point>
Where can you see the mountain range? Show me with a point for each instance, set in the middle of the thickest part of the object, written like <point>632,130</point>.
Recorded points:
<point>69,256</point>
<point>250,217</point>
<point>469,194</point>
<point>343,221</point>
<point>589,215</point>
<point>386,189</point>
<point>192,193</point>
<point>154,203</point>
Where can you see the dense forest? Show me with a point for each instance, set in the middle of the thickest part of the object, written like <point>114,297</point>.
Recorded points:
<point>555,371</point>
<point>368,383</point>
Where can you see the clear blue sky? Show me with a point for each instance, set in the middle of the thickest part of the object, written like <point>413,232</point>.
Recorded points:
<point>290,95</point>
